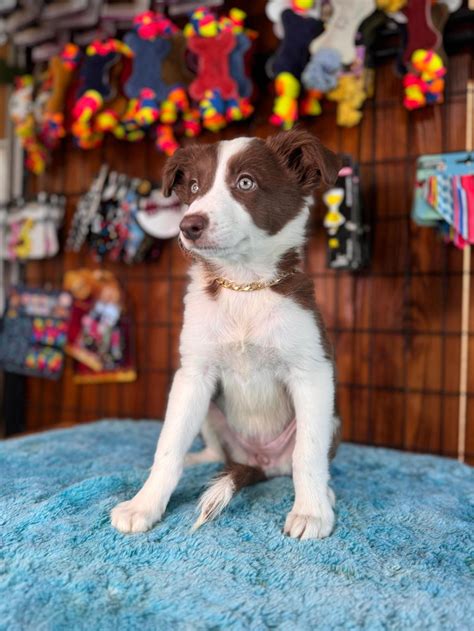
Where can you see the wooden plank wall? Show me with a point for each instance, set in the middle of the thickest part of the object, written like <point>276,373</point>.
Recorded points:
<point>396,327</point>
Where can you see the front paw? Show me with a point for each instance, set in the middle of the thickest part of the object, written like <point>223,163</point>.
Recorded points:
<point>133,516</point>
<point>308,526</point>
<point>303,523</point>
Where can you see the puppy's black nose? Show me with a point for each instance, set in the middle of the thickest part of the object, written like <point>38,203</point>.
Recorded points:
<point>192,226</point>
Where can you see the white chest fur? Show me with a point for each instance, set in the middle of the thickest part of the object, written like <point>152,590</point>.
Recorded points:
<point>249,341</point>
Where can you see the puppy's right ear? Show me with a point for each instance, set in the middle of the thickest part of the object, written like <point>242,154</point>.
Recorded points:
<point>174,171</point>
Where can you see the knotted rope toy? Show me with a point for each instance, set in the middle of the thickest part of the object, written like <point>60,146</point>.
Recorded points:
<point>425,84</point>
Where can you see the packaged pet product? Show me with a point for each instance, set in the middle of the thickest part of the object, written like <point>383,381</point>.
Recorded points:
<point>34,332</point>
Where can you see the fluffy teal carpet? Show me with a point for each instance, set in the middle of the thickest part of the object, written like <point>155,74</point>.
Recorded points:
<point>401,556</point>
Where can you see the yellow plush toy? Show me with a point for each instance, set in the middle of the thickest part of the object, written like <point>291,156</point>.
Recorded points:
<point>350,95</point>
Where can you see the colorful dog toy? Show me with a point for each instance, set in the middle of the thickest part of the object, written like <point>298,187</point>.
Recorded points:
<point>157,85</point>
<point>299,29</point>
<point>222,87</point>
<point>60,75</point>
<point>21,113</point>
<point>100,103</point>
<point>425,85</point>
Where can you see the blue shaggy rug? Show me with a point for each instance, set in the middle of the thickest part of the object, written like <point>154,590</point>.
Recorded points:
<point>401,556</point>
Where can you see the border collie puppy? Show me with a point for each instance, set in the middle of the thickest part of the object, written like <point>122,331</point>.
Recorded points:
<point>257,375</point>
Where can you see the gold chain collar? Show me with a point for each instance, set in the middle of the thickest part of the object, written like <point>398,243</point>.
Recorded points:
<point>259,284</point>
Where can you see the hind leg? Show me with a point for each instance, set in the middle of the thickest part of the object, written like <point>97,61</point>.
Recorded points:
<point>213,451</point>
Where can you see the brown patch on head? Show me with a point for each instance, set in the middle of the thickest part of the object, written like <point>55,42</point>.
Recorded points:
<point>287,168</point>
<point>308,161</point>
<point>275,199</point>
<point>194,163</point>
<point>300,288</point>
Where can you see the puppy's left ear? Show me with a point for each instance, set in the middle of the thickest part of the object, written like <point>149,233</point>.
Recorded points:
<point>306,158</point>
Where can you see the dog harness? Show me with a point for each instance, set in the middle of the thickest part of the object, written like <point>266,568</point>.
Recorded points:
<point>259,453</point>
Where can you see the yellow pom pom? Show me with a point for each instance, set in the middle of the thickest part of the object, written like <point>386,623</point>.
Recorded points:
<point>106,121</point>
<point>188,30</point>
<point>237,15</point>
<point>288,85</point>
<point>210,29</point>
<point>303,5</point>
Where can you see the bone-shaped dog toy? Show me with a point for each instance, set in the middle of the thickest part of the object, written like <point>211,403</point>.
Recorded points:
<point>299,32</point>
<point>146,73</point>
<point>213,65</point>
<point>341,30</point>
<point>421,32</point>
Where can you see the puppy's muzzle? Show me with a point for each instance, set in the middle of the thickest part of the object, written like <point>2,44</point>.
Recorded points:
<point>192,226</point>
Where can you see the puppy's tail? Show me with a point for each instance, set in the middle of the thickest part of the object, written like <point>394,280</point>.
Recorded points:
<point>222,489</point>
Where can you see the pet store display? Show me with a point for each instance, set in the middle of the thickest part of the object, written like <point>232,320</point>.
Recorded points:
<point>119,219</point>
<point>348,232</point>
<point>444,195</point>
<point>136,73</point>
<point>99,336</point>
<point>29,229</point>
<point>157,80</point>
<point>328,53</point>
<point>34,332</point>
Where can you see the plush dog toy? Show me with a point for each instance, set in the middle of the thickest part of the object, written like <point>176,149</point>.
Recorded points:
<point>157,85</point>
<point>60,73</point>
<point>297,27</point>
<point>100,101</point>
<point>222,87</point>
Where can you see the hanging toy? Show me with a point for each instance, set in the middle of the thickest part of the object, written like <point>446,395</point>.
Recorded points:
<point>353,87</point>
<point>341,29</point>
<point>150,49</point>
<point>425,84</point>
<point>61,72</point>
<point>336,47</point>
<point>214,84</point>
<point>297,28</point>
<point>350,96</point>
<point>322,72</point>
<point>21,113</point>
<point>222,88</point>
<point>99,93</point>
<point>157,85</point>
<point>333,219</point>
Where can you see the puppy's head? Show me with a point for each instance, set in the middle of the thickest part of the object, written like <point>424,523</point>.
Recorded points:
<point>247,194</point>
